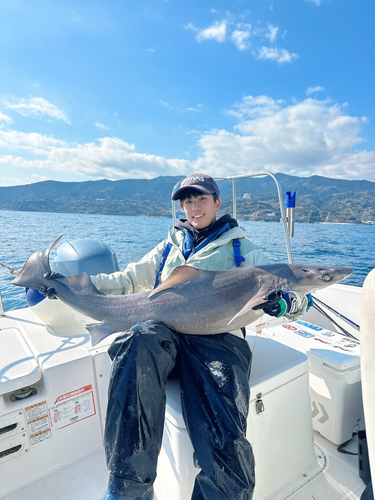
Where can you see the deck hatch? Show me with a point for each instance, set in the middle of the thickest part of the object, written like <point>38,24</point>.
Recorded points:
<point>18,366</point>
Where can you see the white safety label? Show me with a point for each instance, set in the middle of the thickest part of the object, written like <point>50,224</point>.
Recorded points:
<point>38,425</point>
<point>73,407</point>
<point>36,411</point>
<point>40,436</point>
<point>38,422</point>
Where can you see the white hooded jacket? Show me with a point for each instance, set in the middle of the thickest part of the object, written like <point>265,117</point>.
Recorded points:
<point>215,256</point>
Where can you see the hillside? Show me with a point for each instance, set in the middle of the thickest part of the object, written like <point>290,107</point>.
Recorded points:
<point>319,199</point>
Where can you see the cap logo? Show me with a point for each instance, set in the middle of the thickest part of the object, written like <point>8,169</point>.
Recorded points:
<point>192,178</point>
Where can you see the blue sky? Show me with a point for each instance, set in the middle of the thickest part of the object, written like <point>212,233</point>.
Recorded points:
<point>116,89</point>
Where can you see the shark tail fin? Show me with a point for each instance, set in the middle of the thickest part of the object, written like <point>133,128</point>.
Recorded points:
<point>35,267</point>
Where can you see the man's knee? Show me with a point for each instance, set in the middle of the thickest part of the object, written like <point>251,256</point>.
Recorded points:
<point>149,335</point>
<point>152,332</point>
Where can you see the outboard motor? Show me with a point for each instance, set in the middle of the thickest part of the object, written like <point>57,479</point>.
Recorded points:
<point>75,257</point>
<point>91,256</point>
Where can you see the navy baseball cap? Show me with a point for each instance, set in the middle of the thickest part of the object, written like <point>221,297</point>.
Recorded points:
<point>202,182</point>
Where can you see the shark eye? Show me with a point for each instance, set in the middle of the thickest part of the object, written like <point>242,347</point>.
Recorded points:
<point>326,277</point>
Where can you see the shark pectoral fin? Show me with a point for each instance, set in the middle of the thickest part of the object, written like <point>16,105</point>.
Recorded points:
<point>256,302</point>
<point>179,275</point>
<point>98,332</point>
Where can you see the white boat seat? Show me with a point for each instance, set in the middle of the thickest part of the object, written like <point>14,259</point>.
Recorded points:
<point>279,427</point>
<point>18,366</point>
<point>273,365</point>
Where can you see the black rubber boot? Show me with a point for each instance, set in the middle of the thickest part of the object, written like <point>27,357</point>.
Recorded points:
<point>368,493</point>
<point>112,496</point>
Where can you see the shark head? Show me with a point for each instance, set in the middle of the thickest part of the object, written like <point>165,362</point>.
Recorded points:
<point>306,278</point>
<point>300,278</point>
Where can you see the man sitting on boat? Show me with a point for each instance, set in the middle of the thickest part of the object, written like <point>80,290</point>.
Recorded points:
<point>213,370</point>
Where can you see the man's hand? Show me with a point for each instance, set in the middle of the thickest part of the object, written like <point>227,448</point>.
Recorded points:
<point>49,292</point>
<point>285,303</point>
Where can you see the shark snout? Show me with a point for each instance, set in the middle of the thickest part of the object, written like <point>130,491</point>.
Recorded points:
<point>334,274</point>
<point>320,276</point>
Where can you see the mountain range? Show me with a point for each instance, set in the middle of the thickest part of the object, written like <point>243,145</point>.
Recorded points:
<point>318,199</point>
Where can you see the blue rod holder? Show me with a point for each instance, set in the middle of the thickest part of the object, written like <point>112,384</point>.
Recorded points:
<point>290,206</point>
<point>290,199</point>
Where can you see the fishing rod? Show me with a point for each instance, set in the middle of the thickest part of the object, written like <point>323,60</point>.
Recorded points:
<point>347,320</point>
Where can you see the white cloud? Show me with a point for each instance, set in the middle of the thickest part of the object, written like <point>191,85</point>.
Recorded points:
<point>32,142</point>
<point>217,31</point>
<point>166,104</point>
<point>272,32</point>
<point>191,26</point>
<point>5,118</point>
<point>240,32</point>
<point>110,158</point>
<point>299,138</point>
<point>275,54</point>
<point>198,107</point>
<point>311,90</point>
<point>310,137</point>
<point>240,38</point>
<point>16,181</point>
<point>254,107</point>
<point>316,2</point>
<point>37,107</point>
<point>101,126</point>
<point>359,165</point>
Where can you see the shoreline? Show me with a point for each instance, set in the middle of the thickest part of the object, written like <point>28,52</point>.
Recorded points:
<point>170,217</point>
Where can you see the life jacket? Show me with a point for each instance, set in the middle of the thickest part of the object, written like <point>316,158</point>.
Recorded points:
<point>238,258</point>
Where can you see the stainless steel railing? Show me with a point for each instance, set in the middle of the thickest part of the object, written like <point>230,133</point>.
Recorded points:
<point>1,306</point>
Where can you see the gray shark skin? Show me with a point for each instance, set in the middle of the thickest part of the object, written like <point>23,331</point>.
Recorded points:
<point>191,301</point>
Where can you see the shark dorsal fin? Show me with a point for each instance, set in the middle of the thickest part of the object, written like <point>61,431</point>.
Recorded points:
<point>179,275</point>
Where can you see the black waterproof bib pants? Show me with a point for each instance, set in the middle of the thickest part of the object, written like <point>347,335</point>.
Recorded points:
<point>214,378</point>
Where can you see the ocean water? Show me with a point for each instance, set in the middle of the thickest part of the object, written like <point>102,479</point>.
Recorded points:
<point>23,233</point>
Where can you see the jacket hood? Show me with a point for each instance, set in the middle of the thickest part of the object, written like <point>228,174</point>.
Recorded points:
<point>201,234</point>
<point>177,237</point>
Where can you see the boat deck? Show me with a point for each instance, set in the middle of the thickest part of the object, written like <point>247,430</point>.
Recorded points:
<point>86,478</point>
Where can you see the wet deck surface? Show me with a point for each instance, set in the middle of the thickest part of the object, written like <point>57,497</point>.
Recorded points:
<point>87,479</point>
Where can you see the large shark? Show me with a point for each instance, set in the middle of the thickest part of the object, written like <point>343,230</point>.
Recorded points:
<point>191,300</point>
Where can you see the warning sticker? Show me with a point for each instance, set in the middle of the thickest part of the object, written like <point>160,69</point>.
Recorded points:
<point>328,334</point>
<point>35,411</point>
<point>41,436</point>
<point>73,407</point>
<point>289,327</point>
<point>38,425</point>
<point>305,334</point>
<point>310,325</point>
